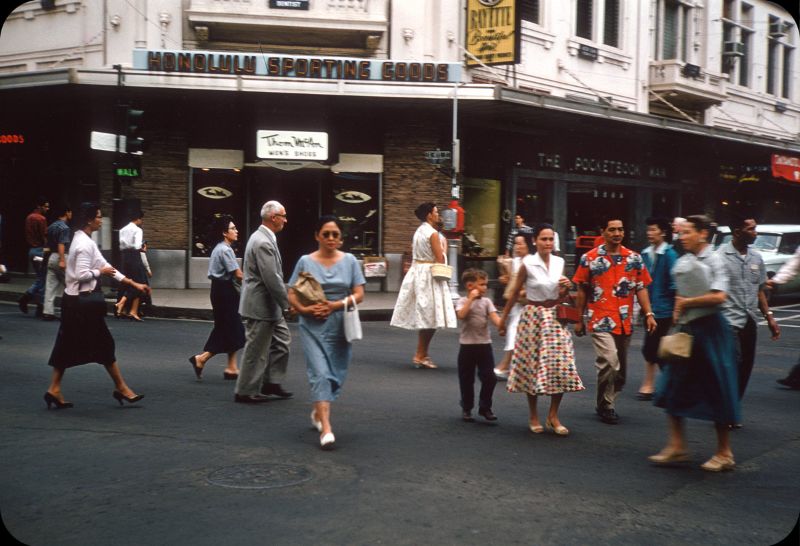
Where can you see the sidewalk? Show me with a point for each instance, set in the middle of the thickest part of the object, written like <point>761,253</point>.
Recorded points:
<point>194,303</point>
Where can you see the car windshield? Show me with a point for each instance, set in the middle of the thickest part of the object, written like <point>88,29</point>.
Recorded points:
<point>764,241</point>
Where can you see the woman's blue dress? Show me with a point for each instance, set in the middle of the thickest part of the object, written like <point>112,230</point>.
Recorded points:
<point>326,350</point>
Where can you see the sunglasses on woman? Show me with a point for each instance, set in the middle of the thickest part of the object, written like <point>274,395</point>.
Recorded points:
<point>330,234</point>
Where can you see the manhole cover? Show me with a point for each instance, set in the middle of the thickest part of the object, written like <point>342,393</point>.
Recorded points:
<point>259,476</point>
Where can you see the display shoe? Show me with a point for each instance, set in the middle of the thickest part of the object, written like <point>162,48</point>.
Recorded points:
<point>561,430</point>
<point>327,441</point>
<point>717,463</point>
<point>314,423</point>
<point>669,456</point>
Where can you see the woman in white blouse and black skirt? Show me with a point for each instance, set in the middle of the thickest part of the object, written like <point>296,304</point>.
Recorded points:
<point>83,336</point>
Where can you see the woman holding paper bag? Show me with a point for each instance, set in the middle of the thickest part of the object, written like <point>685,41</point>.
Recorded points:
<point>326,349</point>
<point>705,387</point>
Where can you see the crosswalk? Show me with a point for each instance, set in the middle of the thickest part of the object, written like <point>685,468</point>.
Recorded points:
<point>787,316</point>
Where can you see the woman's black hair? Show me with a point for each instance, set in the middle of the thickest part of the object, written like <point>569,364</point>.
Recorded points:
<point>219,225</point>
<point>539,228</point>
<point>324,219</point>
<point>662,223</point>
<point>702,222</point>
<point>424,210</point>
<point>86,214</point>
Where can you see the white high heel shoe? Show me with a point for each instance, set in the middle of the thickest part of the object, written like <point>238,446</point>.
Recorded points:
<point>327,441</point>
<point>314,423</point>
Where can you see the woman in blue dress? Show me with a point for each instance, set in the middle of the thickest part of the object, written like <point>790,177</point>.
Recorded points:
<point>224,271</point>
<point>705,387</point>
<point>326,350</point>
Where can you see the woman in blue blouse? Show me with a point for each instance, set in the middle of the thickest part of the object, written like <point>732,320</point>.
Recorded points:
<point>228,333</point>
<point>705,387</point>
<point>326,350</point>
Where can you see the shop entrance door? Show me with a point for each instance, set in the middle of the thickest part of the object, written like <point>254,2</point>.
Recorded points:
<point>299,192</point>
<point>588,207</point>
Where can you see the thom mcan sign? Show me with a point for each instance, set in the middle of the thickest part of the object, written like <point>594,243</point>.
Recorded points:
<point>291,145</point>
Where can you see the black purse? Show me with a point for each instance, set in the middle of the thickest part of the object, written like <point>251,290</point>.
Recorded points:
<point>92,302</point>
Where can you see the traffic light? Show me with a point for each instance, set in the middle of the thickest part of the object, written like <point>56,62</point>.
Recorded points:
<point>134,144</point>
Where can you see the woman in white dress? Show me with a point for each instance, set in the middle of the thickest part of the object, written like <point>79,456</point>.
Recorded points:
<point>521,247</point>
<point>424,303</point>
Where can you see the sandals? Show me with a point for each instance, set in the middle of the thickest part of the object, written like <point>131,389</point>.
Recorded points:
<point>669,456</point>
<point>424,363</point>
<point>718,463</point>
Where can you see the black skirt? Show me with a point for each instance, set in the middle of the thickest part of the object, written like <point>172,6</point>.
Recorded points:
<point>82,337</point>
<point>228,333</point>
<point>133,268</point>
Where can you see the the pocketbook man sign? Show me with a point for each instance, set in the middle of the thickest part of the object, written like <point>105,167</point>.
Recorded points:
<point>292,145</point>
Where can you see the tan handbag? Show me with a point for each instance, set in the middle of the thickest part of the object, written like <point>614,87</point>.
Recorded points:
<point>308,289</point>
<point>509,290</point>
<point>675,347</point>
<point>441,272</point>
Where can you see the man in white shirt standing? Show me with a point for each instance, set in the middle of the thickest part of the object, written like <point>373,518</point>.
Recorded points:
<point>130,246</point>
<point>786,273</point>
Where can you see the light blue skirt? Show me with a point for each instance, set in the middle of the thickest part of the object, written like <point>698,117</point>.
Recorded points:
<point>327,354</point>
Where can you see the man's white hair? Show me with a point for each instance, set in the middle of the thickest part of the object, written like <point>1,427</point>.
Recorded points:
<point>270,208</point>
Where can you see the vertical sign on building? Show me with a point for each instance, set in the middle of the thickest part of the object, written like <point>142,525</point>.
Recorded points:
<point>493,32</point>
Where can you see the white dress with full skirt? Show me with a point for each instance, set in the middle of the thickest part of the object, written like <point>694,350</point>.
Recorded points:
<point>423,302</point>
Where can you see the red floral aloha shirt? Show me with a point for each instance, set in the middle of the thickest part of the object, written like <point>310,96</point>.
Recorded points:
<point>613,281</point>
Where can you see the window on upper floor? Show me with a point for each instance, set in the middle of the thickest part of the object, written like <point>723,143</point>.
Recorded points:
<point>529,11</point>
<point>780,55</point>
<point>608,11</point>
<point>674,19</point>
<point>737,42</point>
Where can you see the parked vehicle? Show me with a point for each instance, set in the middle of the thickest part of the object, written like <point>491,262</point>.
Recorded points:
<point>776,242</point>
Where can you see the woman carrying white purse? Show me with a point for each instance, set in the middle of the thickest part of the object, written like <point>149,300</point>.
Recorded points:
<point>322,335</point>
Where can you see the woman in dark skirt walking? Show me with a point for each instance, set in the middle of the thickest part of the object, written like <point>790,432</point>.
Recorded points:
<point>705,387</point>
<point>83,336</point>
<point>223,270</point>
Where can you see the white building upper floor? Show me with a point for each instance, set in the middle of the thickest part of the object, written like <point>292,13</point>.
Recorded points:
<point>731,64</point>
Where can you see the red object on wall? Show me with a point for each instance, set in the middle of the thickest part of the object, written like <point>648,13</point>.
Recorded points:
<point>455,209</point>
<point>784,166</point>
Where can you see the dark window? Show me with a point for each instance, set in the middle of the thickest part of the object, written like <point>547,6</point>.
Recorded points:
<point>611,23</point>
<point>529,10</point>
<point>787,72</point>
<point>789,243</point>
<point>583,23</point>
<point>773,52</point>
<point>744,61</point>
<point>671,28</point>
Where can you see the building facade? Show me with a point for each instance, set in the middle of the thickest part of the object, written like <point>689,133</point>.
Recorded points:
<point>349,106</point>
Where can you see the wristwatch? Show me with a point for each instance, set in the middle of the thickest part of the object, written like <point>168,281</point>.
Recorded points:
<point>768,314</point>
<point>650,314</point>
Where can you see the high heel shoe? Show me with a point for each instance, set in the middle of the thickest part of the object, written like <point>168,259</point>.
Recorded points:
<point>327,441</point>
<point>52,400</point>
<point>119,397</point>
<point>561,430</point>
<point>135,318</point>
<point>198,371</point>
<point>536,429</point>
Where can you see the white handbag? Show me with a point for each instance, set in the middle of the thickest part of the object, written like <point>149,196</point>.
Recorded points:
<point>352,322</point>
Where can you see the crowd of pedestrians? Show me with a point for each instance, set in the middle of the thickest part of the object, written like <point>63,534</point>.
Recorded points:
<point>677,285</point>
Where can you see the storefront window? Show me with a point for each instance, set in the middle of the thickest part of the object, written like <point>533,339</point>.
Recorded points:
<point>355,200</point>
<point>215,192</point>
<point>482,217</point>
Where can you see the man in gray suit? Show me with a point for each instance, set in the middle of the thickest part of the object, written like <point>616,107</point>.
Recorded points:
<point>263,305</point>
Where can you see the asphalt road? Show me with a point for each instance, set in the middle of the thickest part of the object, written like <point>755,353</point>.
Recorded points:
<point>188,466</point>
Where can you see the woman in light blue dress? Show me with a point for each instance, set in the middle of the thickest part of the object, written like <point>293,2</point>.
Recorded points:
<point>326,350</point>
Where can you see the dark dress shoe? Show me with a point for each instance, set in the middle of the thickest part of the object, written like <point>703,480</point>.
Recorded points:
<point>274,389</point>
<point>250,398</point>
<point>49,318</point>
<point>608,416</point>
<point>487,414</point>
<point>467,416</point>
<point>22,302</point>
<point>39,310</point>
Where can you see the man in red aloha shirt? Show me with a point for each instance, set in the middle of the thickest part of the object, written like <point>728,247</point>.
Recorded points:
<point>611,274</point>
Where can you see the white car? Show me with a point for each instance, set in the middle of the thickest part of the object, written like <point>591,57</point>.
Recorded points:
<point>776,243</point>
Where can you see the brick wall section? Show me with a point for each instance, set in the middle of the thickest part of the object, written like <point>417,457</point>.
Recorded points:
<point>408,180</point>
<point>162,191</point>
